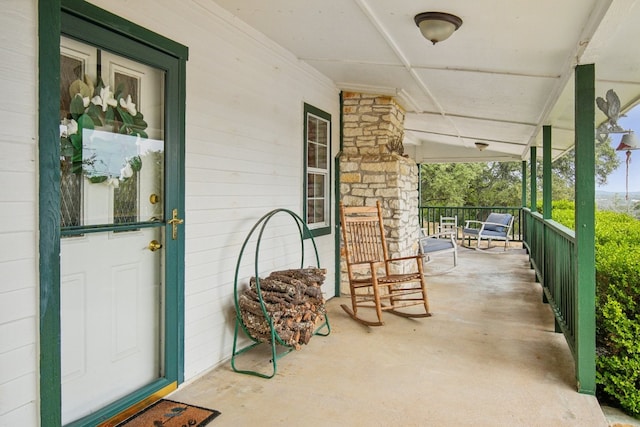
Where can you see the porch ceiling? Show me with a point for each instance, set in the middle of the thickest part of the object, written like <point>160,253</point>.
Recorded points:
<point>503,75</point>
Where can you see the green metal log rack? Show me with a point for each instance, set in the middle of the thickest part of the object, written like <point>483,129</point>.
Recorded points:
<point>275,341</point>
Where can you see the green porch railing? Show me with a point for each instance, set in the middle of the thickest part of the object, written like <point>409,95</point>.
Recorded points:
<point>430,216</point>
<point>553,256</point>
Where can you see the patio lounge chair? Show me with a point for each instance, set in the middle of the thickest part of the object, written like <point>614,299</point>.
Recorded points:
<point>496,227</point>
<point>372,282</point>
<point>438,243</point>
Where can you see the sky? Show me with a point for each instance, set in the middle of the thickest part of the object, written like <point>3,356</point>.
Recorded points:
<point>616,182</point>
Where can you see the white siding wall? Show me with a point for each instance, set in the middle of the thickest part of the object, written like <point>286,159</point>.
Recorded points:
<point>244,157</point>
<point>18,224</point>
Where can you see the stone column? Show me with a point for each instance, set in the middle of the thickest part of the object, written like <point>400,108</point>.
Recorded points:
<point>370,171</point>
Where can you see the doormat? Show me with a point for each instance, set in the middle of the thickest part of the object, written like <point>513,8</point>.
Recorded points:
<point>167,413</point>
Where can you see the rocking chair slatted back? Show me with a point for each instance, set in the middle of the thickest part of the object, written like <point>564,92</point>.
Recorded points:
<point>363,234</point>
<point>365,247</point>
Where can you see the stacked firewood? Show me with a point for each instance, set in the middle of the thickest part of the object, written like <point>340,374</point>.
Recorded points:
<point>293,301</point>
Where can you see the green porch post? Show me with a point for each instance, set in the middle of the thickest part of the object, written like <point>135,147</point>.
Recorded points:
<point>420,220</point>
<point>585,349</point>
<point>547,190</point>
<point>546,172</point>
<point>337,277</point>
<point>524,183</point>
<point>534,180</point>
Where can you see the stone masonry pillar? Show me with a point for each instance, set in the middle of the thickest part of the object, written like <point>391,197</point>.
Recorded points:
<point>369,171</point>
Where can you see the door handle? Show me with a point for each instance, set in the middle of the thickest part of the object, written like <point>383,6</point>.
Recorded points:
<point>154,245</point>
<point>175,221</point>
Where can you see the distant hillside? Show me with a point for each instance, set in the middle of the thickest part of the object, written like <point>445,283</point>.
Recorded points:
<point>611,194</point>
<point>616,201</point>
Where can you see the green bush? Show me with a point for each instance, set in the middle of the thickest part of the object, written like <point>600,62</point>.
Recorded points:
<point>563,212</point>
<point>617,304</point>
<point>563,205</point>
<point>618,309</point>
<point>618,361</point>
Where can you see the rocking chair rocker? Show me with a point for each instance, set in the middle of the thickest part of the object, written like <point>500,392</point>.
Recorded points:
<point>372,282</point>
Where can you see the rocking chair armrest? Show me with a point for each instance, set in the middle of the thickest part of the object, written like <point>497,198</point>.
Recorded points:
<point>404,258</point>
<point>505,227</point>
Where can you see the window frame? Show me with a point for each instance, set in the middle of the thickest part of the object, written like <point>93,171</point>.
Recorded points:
<point>318,228</point>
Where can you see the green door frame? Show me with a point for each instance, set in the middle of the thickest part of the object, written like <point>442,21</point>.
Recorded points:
<point>74,18</point>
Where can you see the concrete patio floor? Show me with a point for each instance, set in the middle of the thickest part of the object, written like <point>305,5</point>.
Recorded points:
<point>488,356</point>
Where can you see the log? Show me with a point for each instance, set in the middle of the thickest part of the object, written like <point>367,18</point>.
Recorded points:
<point>293,302</point>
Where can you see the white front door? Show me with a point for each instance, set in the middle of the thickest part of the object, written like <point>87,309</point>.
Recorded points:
<point>112,261</point>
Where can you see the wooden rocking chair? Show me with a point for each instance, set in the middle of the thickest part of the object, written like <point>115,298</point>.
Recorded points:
<point>371,280</point>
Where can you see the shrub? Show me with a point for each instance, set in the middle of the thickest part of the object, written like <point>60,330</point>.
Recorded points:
<point>563,211</point>
<point>618,361</point>
<point>563,205</point>
<point>617,249</point>
<point>618,309</point>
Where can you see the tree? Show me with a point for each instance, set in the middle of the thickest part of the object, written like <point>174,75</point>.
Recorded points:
<point>500,183</point>
<point>471,184</point>
<point>564,168</point>
<point>447,184</point>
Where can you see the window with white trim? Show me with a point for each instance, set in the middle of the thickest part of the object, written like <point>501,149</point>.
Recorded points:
<point>317,143</point>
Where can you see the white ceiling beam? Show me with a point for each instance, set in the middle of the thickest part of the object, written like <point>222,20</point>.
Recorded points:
<point>594,21</point>
<point>366,9</point>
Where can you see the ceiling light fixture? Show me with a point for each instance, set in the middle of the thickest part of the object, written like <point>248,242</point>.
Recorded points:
<point>481,145</point>
<point>437,26</point>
